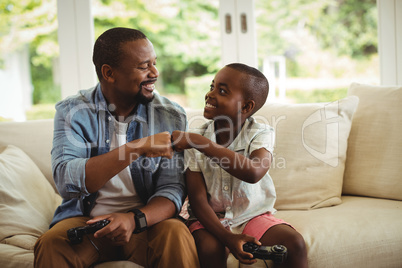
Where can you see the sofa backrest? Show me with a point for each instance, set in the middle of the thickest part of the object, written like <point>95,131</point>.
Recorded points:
<point>310,181</point>
<point>371,164</point>
<point>34,138</point>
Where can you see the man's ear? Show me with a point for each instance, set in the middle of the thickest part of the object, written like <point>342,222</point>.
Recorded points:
<point>248,107</point>
<point>107,73</point>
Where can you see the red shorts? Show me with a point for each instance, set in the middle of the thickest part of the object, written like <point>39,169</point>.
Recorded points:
<point>256,227</point>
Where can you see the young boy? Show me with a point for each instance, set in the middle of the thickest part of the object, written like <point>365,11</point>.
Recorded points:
<point>230,191</point>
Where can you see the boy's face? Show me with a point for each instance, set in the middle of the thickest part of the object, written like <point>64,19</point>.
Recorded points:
<point>225,97</point>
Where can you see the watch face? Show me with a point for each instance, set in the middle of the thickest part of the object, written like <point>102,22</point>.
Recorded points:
<point>142,222</point>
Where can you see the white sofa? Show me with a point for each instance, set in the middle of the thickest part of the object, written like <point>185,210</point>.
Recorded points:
<point>337,172</point>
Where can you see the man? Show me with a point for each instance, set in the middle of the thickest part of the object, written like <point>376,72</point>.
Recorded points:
<point>112,159</point>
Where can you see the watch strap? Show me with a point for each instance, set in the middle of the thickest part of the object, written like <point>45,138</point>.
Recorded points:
<point>140,221</point>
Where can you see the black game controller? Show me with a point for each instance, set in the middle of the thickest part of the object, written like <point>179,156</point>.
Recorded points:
<point>276,253</point>
<point>75,234</point>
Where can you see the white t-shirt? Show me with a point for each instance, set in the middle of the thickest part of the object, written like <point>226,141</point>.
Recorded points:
<point>118,194</point>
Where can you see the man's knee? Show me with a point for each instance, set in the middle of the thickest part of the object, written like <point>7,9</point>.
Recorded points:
<point>172,245</point>
<point>45,244</point>
<point>49,240</point>
<point>172,228</point>
<point>172,234</point>
<point>54,248</point>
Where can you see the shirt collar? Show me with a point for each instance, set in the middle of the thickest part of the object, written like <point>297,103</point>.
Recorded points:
<point>141,113</point>
<point>241,141</point>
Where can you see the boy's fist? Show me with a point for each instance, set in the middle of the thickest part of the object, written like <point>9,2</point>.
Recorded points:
<point>180,140</point>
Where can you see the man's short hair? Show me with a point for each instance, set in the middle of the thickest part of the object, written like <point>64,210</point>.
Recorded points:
<point>255,87</point>
<point>107,48</point>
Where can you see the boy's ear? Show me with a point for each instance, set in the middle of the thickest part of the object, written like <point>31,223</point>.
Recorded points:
<point>107,73</point>
<point>248,107</point>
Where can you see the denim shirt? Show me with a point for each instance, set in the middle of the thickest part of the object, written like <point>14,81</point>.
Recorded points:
<point>83,129</point>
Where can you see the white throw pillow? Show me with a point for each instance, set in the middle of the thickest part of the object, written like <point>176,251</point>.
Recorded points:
<point>27,200</point>
<point>310,151</point>
<point>373,165</point>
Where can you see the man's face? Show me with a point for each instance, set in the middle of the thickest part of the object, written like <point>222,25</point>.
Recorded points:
<point>136,76</point>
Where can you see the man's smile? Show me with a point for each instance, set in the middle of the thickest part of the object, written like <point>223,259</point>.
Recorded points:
<point>148,86</point>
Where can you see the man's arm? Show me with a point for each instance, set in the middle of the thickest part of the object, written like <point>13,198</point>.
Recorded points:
<point>75,172</point>
<point>100,169</point>
<point>122,225</point>
<point>158,209</point>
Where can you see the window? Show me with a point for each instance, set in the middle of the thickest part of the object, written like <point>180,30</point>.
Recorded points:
<point>313,50</point>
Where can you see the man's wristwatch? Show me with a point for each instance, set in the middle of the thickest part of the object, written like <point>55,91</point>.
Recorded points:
<point>140,221</point>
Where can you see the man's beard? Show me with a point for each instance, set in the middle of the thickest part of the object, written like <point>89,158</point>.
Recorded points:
<point>142,98</point>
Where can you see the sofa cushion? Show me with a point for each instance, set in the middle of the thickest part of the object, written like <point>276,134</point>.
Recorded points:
<point>27,200</point>
<point>15,257</point>
<point>360,232</point>
<point>373,165</point>
<point>34,138</point>
<point>310,151</point>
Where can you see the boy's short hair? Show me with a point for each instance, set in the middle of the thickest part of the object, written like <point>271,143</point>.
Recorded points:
<point>255,87</point>
<point>107,48</point>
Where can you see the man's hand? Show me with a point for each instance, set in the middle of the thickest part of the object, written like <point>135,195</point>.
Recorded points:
<point>101,168</point>
<point>154,146</point>
<point>119,230</point>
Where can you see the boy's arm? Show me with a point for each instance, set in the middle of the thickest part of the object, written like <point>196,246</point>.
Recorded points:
<point>249,169</point>
<point>197,195</point>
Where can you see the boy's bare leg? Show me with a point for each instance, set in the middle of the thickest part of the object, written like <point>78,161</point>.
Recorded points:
<point>283,234</point>
<point>211,252</point>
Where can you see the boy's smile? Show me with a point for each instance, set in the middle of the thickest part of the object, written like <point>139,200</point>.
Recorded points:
<point>208,105</point>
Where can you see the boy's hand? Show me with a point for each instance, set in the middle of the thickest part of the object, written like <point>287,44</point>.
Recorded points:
<point>235,244</point>
<point>181,140</point>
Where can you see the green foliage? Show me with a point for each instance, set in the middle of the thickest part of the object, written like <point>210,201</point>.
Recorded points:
<point>316,95</point>
<point>2,119</point>
<point>276,19</point>
<point>348,27</point>
<point>293,69</point>
<point>41,111</point>
<point>196,88</point>
<point>33,22</point>
<point>186,36</point>
<point>182,31</point>
<point>23,21</point>
<point>42,52</point>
